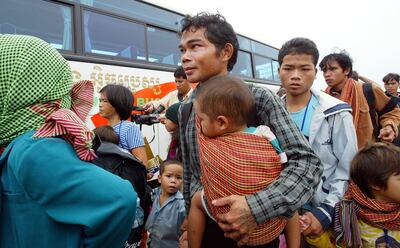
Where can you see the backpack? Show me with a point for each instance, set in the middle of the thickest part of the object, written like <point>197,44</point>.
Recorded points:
<point>374,115</point>
<point>122,163</point>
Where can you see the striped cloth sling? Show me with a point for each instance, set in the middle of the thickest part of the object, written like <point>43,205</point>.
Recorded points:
<point>239,164</point>
<point>356,205</point>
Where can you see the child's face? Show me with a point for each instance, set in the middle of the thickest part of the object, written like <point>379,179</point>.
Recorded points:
<point>171,178</point>
<point>170,125</point>
<point>392,192</point>
<point>209,127</point>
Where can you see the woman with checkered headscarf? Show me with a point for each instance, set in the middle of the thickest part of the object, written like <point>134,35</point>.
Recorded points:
<point>50,195</point>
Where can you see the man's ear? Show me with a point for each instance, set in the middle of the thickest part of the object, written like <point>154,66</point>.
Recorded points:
<point>226,52</point>
<point>347,72</point>
<point>223,122</point>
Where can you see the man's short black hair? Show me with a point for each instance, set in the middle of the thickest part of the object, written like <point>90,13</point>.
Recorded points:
<point>218,31</point>
<point>391,76</point>
<point>299,46</point>
<point>179,72</point>
<point>120,98</point>
<point>342,59</point>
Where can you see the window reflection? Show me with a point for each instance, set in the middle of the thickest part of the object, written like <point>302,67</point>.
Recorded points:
<point>263,68</point>
<point>243,65</point>
<point>52,21</point>
<point>264,49</point>
<point>244,43</point>
<point>275,67</point>
<point>112,36</point>
<point>163,46</point>
<point>137,10</point>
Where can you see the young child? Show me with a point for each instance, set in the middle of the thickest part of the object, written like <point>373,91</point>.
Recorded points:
<point>119,161</point>
<point>234,159</point>
<point>168,211</point>
<point>171,124</point>
<point>371,206</point>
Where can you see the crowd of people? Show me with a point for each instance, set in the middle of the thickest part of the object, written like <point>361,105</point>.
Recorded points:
<point>245,167</point>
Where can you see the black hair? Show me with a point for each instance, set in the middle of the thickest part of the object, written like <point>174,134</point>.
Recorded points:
<point>391,76</point>
<point>299,46</point>
<point>165,163</point>
<point>228,96</point>
<point>120,98</point>
<point>342,59</point>
<point>179,72</point>
<point>354,75</point>
<point>217,30</point>
<point>106,133</point>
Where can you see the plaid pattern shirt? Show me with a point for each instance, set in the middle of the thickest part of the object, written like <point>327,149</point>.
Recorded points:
<point>298,179</point>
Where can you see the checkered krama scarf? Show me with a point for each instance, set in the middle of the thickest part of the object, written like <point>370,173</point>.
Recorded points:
<point>35,94</point>
<point>239,164</point>
<point>356,205</point>
<point>351,95</point>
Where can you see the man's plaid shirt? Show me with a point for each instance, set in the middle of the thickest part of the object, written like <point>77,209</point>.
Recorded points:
<point>298,179</point>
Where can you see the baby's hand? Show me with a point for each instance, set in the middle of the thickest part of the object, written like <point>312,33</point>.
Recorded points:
<point>305,222</point>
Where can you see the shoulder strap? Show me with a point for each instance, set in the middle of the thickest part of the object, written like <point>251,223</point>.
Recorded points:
<point>369,95</point>
<point>392,103</point>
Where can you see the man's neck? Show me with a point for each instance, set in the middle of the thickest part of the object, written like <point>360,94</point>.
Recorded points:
<point>184,93</point>
<point>295,103</point>
<point>338,88</point>
<point>221,73</point>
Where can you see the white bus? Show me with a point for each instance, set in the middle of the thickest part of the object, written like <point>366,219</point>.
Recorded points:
<point>125,42</point>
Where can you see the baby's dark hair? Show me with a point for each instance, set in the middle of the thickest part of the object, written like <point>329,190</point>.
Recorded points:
<point>373,165</point>
<point>227,96</point>
<point>165,163</point>
<point>106,133</point>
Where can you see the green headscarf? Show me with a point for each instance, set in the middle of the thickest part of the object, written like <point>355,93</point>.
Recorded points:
<point>31,73</point>
<point>172,112</point>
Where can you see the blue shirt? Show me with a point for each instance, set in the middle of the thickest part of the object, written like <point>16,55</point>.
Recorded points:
<point>303,117</point>
<point>165,221</point>
<point>129,135</point>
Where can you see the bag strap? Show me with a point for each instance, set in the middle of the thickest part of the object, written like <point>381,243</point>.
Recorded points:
<point>370,97</point>
<point>389,106</point>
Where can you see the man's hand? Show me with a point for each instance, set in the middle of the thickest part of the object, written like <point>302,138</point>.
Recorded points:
<point>239,222</point>
<point>183,240</point>
<point>314,228</point>
<point>387,133</point>
<point>148,108</point>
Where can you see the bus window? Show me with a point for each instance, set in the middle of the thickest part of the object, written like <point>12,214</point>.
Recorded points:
<point>265,50</point>
<point>244,43</point>
<point>52,21</point>
<point>243,65</point>
<point>139,11</point>
<point>163,46</point>
<point>275,66</point>
<point>113,36</point>
<point>263,68</point>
